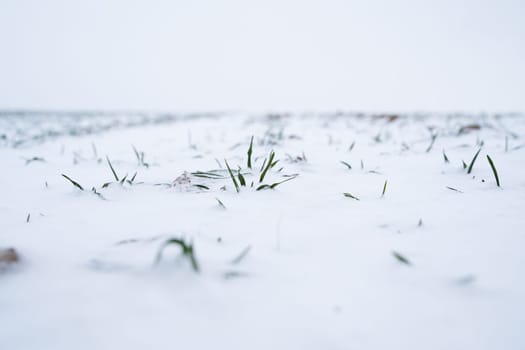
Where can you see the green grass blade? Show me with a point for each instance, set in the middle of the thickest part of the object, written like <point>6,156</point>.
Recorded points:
<point>112,170</point>
<point>263,164</point>
<point>384,189</point>
<point>473,161</point>
<point>401,258</point>
<point>493,169</point>
<point>349,195</point>
<point>445,158</point>
<point>346,164</point>
<point>123,179</point>
<point>232,176</point>
<point>137,154</point>
<point>242,255</point>
<point>220,203</point>
<point>454,189</point>
<point>432,140</point>
<point>242,181</point>
<point>268,166</point>
<point>76,184</point>
<point>274,185</point>
<point>187,251</point>
<point>250,150</point>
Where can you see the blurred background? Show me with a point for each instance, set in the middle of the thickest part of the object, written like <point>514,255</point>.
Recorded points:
<point>373,55</point>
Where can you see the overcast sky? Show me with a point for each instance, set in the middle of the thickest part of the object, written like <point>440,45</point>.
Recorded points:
<point>374,55</point>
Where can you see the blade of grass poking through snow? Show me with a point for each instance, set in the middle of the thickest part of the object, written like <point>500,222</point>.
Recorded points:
<point>349,195</point>
<point>464,164</point>
<point>220,203</point>
<point>123,179</point>
<point>384,189</point>
<point>263,164</point>
<point>445,158</point>
<point>187,251</point>
<point>473,161</point>
<point>76,184</point>
<point>401,258</point>
<point>250,150</point>
<point>136,154</point>
<point>268,166</point>
<point>346,164</point>
<point>202,187</point>
<point>454,189</point>
<point>432,140</point>
<point>274,185</point>
<point>112,170</point>
<point>232,176</point>
<point>242,181</point>
<point>493,169</point>
<point>94,190</point>
<point>242,255</point>
<point>208,175</point>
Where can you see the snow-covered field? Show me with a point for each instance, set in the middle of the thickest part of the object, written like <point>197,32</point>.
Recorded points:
<point>434,260</point>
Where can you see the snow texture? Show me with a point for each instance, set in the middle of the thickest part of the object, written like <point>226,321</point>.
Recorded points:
<point>436,262</point>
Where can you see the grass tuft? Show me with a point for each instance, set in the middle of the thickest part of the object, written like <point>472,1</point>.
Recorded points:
<point>140,157</point>
<point>187,251</point>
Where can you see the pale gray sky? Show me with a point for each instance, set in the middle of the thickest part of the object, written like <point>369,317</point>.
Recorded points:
<point>275,54</point>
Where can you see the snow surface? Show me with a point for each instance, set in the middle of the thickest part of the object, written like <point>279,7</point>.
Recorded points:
<point>320,270</point>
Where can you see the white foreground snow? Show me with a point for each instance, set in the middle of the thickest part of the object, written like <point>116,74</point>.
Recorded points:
<point>320,271</point>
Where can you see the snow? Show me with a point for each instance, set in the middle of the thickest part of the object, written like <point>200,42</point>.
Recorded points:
<point>320,270</point>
